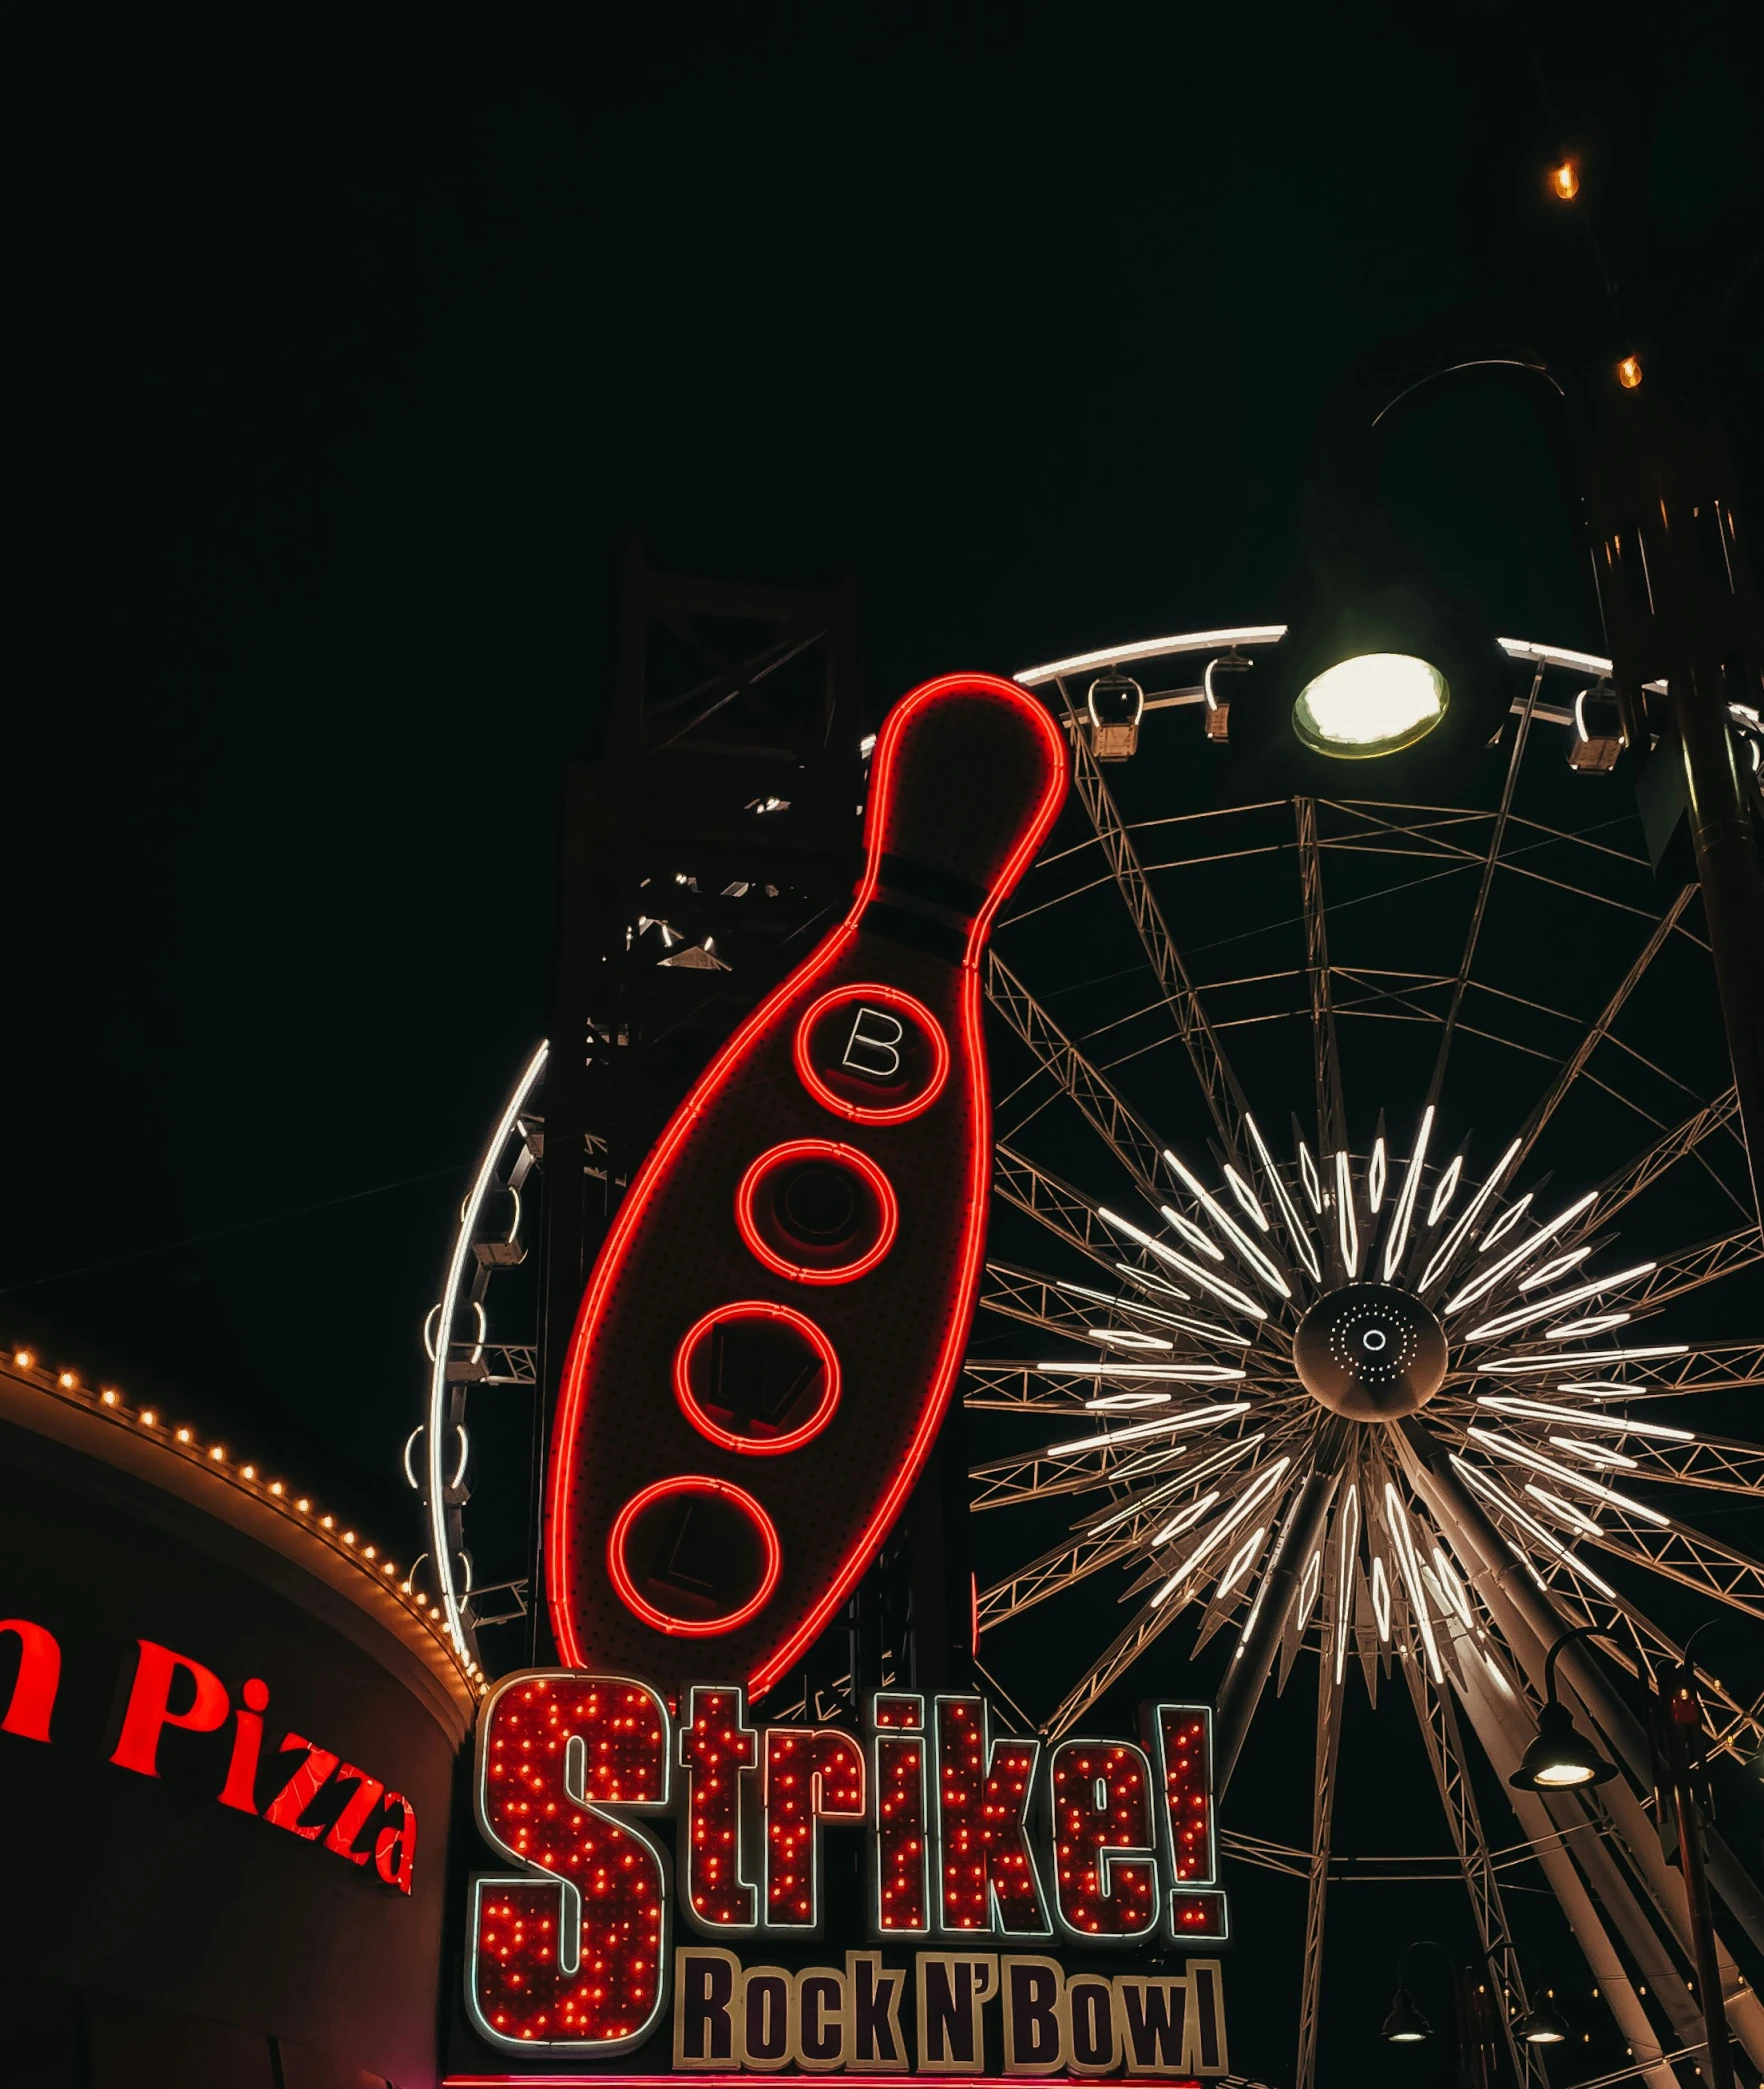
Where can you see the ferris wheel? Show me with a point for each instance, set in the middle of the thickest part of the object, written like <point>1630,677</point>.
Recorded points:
<point>1393,1392</point>
<point>1397,1381</point>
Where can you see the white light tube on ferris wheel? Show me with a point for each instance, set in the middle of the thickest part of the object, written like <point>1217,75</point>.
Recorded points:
<point>1515,1256</point>
<point>1567,1359</point>
<point>1165,1425</point>
<point>1455,1239</point>
<point>1396,1517</point>
<point>1397,1245</point>
<point>1552,1270</point>
<point>1509,1447</point>
<point>1154,649</point>
<point>1194,1477</point>
<point>1505,1223</point>
<point>1195,1236</point>
<point>1240,1563</point>
<point>1565,1510</point>
<point>1509,1507</point>
<point>1599,1456</point>
<point>1347,1227</point>
<point>1541,1309</point>
<point>462,1248</point>
<point>1594,1324</point>
<point>1288,1209</point>
<point>1346,1559</point>
<point>1445,1190</point>
<point>1217,1285</point>
<point>1229,1227</point>
<point>1111,1367</point>
<point>1254,1495</point>
<point>1614,1424</point>
<point>1246,1198</point>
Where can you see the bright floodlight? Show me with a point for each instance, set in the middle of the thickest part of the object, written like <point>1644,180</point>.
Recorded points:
<point>1372,704</point>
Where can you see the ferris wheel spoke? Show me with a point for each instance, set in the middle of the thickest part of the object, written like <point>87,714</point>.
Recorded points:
<point>1218,1084</point>
<point>1053,1203</point>
<point>1327,1758</point>
<point>1121,1532</point>
<point>1472,935</point>
<point>1648,1166</point>
<point>1108,1451</point>
<point>1691,1268</point>
<point>1651,1450</point>
<point>1595,1031</point>
<point>1325,1051</point>
<point>1127,1136</point>
<point>1062,1306</point>
<point>1629,1529</point>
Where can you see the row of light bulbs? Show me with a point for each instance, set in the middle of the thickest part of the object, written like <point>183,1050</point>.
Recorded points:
<point>1564,185</point>
<point>289,1503</point>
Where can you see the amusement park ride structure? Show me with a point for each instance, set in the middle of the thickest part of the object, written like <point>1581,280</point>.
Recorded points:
<point>1342,1388</point>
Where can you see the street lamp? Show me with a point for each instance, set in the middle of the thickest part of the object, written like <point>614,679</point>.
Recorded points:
<point>1542,2024</point>
<point>1405,2025</point>
<point>1371,704</point>
<point>1561,1757</point>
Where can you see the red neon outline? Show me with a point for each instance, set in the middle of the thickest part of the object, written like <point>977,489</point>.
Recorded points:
<point>567,1434</point>
<point>776,1157</point>
<point>756,1446</point>
<point>862,1113</point>
<point>660,1620</point>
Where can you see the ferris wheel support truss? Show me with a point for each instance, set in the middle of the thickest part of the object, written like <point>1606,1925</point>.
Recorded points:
<point>1445,1752</point>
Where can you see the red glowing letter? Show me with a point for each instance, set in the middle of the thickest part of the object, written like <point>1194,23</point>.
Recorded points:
<point>987,1876</point>
<point>1180,1740</point>
<point>348,1824</point>
<point>395,1845</point>
<point>1103,1839</point>
<point>813,1774</point>
<point>902,1904</point>
<point>39,1671</point>
<point>570,1953</point>
<point>240,1789</point>
<point>715,1747</point>
<point>285,1809</point>
<point>149,1709</point>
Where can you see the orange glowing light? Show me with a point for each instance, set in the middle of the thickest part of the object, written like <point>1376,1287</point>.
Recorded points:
<point>1629,373</point>
<point>1565,182</point>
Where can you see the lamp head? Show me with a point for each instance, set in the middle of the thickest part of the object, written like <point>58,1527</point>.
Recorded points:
<point>1370,704</point>
<point>1405,2025</point>
<point>1391,677</point>
<point>1542,2024</point>
<point>1561,1756</point>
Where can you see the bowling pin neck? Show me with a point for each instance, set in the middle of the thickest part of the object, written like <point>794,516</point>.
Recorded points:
<point>969,773</point>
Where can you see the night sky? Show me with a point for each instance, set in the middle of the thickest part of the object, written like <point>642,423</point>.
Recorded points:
<point>349,365</point>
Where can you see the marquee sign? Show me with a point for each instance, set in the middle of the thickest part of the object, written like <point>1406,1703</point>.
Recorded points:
<point>655,1862</point>
<point>764,1353</point>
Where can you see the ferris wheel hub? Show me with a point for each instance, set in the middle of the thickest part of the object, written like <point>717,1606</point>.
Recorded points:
<point>1370,1352</point>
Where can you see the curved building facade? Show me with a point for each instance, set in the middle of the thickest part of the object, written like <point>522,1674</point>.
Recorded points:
<point>228,1739</point>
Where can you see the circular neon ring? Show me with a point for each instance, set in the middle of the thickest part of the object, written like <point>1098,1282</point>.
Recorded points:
<point>776,1157</point>
<point>862,1113</point>
<point>664,1621</point>
<point>754,1446</point>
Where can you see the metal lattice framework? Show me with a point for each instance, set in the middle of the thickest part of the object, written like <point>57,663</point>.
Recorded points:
<point>1171,962</point>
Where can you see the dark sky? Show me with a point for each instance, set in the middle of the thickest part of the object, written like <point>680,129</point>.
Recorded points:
<point>350,363</point>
